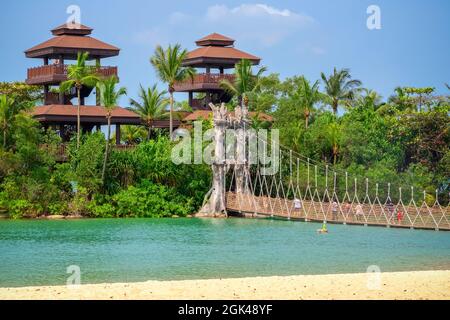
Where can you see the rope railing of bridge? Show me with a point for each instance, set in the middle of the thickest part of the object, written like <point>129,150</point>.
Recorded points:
<point>306,190</point>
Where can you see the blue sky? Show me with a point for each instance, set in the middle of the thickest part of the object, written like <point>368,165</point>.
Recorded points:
<point>292,37</point>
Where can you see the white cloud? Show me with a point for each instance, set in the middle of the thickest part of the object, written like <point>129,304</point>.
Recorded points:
<point>257,24</point>
<point>317,50</point>
<point>152,37</point>
<point>179,18</point>
<point>217,12</point>
<point>309,48</point>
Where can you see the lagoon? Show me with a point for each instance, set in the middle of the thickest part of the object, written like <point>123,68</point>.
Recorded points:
<point>38,252</point>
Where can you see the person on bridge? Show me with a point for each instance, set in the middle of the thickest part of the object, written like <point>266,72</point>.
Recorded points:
<point>297,204</point>
<point>359,212</point>
<point>334,210</point>
<point>399,217</point>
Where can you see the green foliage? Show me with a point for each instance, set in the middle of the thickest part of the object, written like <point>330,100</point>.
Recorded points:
<point>21,91</point>
<point>146,200</point>
<point>168,64</point>
<point>152,106</point>
<point>340,88</point>
<point>86,162</point>
<point>131,135</point>
<point>404,141</point>
<point>245,83</point>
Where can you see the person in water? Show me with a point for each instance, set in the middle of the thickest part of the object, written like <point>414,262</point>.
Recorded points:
<point>324,228</point>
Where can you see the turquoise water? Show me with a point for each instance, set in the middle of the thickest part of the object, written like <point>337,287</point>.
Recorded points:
<point>38,252</point>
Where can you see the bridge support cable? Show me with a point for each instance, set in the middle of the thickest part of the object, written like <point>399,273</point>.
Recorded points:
<point>292,192</point>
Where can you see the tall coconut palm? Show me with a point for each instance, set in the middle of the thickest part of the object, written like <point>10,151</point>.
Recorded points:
<point>79,75</point>
<point>152,106</point>
<point>308,95</point>
<point>340,87</point>
<point>402,100</point>
<point>369,99</point>
<point>169,67</point>
<point>245,81</point>
<point>8,110</point>
<point>334,137</point>
<point>109,100</point>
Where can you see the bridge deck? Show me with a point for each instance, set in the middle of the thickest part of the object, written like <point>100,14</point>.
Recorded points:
<point>375,214</point>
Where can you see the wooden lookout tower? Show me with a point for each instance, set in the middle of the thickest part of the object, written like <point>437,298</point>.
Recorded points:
<point>58,111</point>
<point>215,54</point>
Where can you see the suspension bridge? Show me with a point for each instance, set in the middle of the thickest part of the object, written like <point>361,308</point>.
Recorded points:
<point>302,189</point>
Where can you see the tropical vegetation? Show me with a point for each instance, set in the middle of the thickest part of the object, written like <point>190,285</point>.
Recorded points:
<point>403,139</point>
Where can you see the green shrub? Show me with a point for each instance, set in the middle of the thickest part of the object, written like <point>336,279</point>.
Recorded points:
<point>18,208</point>
<point>147,200</point>
<point>105,210</point>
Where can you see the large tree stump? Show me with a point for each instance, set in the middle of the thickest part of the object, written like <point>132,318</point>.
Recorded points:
<point>241,123</point>
<point>215,206</point>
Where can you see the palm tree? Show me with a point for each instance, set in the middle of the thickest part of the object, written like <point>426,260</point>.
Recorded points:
<point>402,100</point>
<point>109,99</point>
<point>340,87</point>
<point>168,66</point>
<point>79,75</point>
<point>152,106</point>
<point>370,99</point>
<point>245,81</point>
<point>133,134</point>
<point>334,137</point>
<point>308,96</point>
<point>7,112</point>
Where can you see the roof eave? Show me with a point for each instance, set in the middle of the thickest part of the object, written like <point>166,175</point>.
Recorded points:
<point>218,60</point>
<point>43,52</point>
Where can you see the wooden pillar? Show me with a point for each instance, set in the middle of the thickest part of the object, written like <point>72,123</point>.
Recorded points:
<point>221,70</point>
<point>208,70</point>
<point>97,91</point>
<point>191,96</point>
<point>117,134</point>
<point>61,97</point>
<point>61,94</point>
<point>46,89</point>
<point>46,61</point>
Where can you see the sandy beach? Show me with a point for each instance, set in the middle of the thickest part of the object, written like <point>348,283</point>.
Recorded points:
<point>394,285</point>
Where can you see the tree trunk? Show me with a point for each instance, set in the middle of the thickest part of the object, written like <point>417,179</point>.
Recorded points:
<point>334,154</point>
<point>78,117</point>
<point>307,114</point>
<point>106,149</point>
<point>4,133</point>
<point>171,116</point>
<point>216,206</point>
<point>241,164</point>
<point>335,107</point>
<point>149,133</point>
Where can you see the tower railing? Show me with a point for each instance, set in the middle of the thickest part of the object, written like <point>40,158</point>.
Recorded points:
<point>209,80</point>
<point>58,72</point>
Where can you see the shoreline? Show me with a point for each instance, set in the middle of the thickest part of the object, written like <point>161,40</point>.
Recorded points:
<point>408,285</point>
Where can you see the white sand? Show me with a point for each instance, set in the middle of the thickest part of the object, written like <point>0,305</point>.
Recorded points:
<point>395,285</point>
